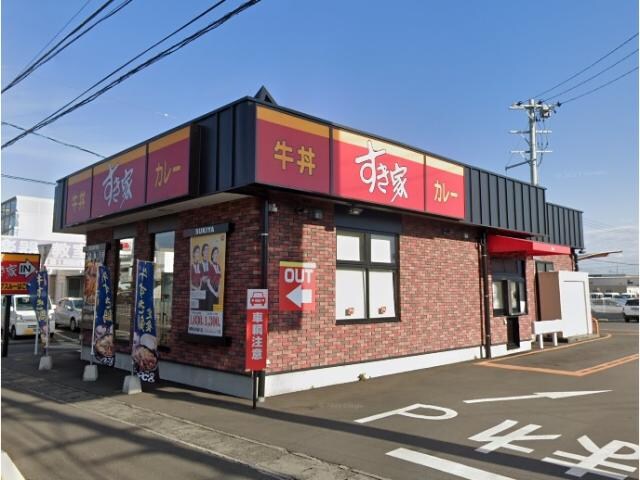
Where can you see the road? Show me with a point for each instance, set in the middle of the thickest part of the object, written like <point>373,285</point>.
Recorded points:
<point>480,420</point>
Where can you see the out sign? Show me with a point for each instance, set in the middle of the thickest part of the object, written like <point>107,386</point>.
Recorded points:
<point>297,287</point>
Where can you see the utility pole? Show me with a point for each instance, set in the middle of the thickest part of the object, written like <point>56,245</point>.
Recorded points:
<point>536,111</point>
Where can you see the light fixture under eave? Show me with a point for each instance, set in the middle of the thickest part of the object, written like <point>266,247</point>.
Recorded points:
<point>355,210</point>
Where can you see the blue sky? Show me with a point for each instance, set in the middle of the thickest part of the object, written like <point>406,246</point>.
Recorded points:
<point>436,75</point>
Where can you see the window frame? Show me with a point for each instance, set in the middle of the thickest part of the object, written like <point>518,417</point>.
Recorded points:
<point>367,266</point>
<point>505,279</point>
<point>162,340</point>
<point>115,289</point>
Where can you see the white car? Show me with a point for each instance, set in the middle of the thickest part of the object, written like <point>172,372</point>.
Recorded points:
<point>68,312</point>
<point>630,310</point>
<point>604,306</point>
<point>22,318</point>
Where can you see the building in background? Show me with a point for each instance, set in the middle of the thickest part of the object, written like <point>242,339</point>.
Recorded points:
<point>611,283</point>
<point>28,222</point>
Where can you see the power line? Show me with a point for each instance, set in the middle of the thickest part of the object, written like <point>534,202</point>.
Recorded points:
<point>562,102</point>
<point>25,179</point>
<point>615,263</point>
<point>165,53</point>
<point>56,49</point>
<point>556,95</point>
<point>588,67</point>
<point>130,61</point>
<point>56,35</point>
<point>71,145</point>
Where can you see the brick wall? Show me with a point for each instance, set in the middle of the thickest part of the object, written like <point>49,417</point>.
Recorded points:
<point>439,286</point>
<point>440,297</point>
<point>243,271</point>
<point>242,267</point>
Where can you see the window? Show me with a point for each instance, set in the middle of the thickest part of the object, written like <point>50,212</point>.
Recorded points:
<point>124,291</point>
<point>163,283</point>
<point>366,276</point>
<point>509,292</point>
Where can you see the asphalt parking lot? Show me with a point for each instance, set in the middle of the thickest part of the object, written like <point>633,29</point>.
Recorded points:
<point>564,412</point>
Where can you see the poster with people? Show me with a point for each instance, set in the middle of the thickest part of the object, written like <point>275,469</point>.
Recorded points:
<point>94,256</point>
<point>145,343</point>
<point>102,344</point>
<point>38,286</point>
<point>207,270</point>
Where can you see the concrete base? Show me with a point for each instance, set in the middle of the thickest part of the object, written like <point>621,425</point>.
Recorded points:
<point>45,363</point>
<point>131,385</point>
<point>90,373</point>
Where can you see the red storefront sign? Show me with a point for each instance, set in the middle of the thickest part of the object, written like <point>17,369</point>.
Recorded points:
<point>78,197</point>
<point>297,287</point>
<point>257,329</point>
<point>445,188</point>
<point>291,151</point>
<point>168,166</point>
<point>16,270</point>
<point>375,171</point>
<point>119,184</point>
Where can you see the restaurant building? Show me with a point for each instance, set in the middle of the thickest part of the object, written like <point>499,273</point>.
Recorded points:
<point>378,257</point>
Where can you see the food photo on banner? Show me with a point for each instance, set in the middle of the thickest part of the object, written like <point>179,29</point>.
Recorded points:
<point>94,256</point>
<point>145,344</point>
<point>207,270</point>
<point>103,349</point>
<point>38,286</point>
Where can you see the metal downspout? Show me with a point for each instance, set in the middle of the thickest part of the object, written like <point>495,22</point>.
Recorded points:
<point>486,292</point>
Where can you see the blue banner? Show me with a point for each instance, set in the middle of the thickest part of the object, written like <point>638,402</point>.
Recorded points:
<point>103,329</point>
<point>145,346</point>
<point>38,286</point>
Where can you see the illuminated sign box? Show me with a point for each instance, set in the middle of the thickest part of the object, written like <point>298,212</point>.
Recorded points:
<point>119,183</point>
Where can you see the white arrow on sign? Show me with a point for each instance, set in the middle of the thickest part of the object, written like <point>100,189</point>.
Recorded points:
<point>552,395</point>
<point>300,295</point>
<point>26,268</point>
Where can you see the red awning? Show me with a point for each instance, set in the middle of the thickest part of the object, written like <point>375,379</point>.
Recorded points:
<point>500,244</point>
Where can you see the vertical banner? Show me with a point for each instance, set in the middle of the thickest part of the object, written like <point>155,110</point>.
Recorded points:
<point>94,255</point>
<point>257,327</point>
<point>207,268</point>
<point>145,345</point>
<point>103,328</point>
<point>38,286</point>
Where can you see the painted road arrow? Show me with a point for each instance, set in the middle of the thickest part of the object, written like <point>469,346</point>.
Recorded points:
<point>300,295</point>
<point>552,395</point>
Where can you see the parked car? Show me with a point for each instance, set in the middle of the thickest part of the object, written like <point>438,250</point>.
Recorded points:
<point>604,306</point>
<point>630,310</point>
<point>68,312</point>
<point>22,318</point>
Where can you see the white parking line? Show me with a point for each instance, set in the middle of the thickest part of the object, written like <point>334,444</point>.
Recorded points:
<point>447,466</point>
<point>75,340</point>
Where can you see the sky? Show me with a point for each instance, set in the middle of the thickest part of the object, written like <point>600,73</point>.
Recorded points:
<point>436,75</point>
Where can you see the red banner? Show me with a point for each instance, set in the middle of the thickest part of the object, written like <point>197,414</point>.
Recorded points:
<point>297,287</point>
<point>119,183</point>
<point>17,268</point>
<point>292,152</point>
<point>257,329</point>
<point>375,171</point>
<point>168,166</point>
<point>445,188</point>
<point>79,197</point>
